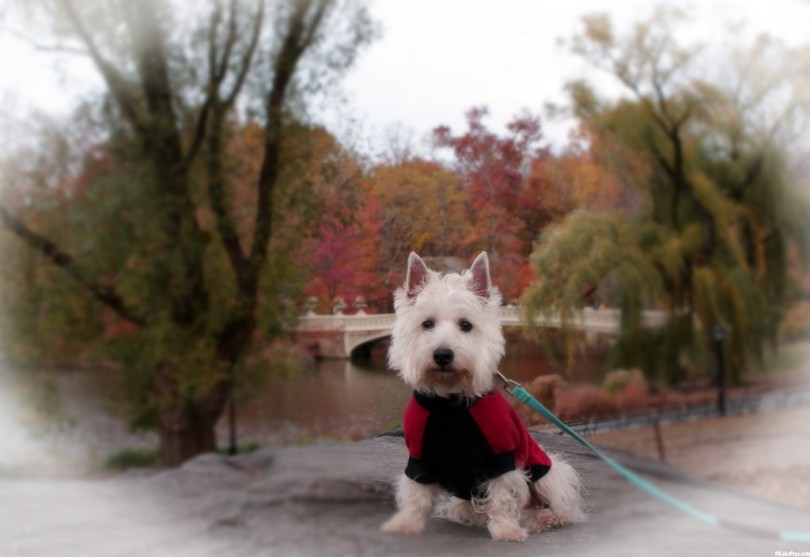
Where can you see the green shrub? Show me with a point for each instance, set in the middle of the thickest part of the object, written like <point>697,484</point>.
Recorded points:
<point>132,458</point>
<point>245,448</point>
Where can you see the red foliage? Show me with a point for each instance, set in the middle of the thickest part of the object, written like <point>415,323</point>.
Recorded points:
<point>343,257</point>
<point>119,328</point>
<point>331,256</point>
<point>498,194</point>
<point>494,171</point>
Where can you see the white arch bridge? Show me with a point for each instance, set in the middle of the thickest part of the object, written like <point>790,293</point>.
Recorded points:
<point>341,336</point>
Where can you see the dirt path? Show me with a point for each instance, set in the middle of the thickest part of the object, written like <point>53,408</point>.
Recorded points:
<point>765,454</point>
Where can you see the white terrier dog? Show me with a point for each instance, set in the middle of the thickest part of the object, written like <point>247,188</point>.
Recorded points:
<point>471,458</point>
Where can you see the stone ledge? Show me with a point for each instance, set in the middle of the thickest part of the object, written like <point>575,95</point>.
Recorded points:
<point>339,493</point>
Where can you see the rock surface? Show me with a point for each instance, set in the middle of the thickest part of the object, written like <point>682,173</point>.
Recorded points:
<point>329,500</point>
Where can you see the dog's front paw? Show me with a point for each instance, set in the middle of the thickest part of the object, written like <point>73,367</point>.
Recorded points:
<point>508,532</point>
<point>540,520</point>
<point>403,525</point>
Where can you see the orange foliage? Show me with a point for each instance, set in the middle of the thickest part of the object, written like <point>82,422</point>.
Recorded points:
<point>627,394</point>
<point>499,194</point>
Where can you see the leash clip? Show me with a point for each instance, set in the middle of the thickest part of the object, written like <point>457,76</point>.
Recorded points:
<point>508,384</point>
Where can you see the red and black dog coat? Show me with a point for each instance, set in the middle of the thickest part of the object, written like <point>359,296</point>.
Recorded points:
<point>460,443</point>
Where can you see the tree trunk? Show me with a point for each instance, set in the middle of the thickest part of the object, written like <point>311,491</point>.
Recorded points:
<point>186,433</point>
<point>186,428</point>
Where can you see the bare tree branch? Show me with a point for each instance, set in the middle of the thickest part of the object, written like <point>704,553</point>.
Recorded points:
<point>60,48</point>
<point>216,180</point>
<point>216,194</point>
<point>152,66</point>
<point>230,40</point>
<point>199,134</point>
<point>211,89</point>
<point>298,37</point>
<point>104,294</point>
<point>115,81</point>
<point>315,23</point>
<point>247,59</point>
<point>217,69</point>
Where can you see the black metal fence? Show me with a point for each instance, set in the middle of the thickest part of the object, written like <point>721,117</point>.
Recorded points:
<point>746,404</point>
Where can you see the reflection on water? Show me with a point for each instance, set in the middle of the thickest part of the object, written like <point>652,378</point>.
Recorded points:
<point>334,399</point>
<point>347,400</point>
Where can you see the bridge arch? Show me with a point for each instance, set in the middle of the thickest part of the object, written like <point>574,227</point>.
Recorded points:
<point>362,347</point>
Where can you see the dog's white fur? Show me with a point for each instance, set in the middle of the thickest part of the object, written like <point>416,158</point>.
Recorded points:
<point>432,311</point>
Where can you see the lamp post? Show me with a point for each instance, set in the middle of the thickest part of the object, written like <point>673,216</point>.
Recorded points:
<point>718,336</point>
<point>233,447</point>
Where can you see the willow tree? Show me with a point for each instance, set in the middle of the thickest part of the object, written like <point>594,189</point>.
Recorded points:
<point>170,257</point>
<point>713,213</point>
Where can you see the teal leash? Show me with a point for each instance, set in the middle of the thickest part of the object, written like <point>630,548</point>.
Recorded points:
<point>515,389</point>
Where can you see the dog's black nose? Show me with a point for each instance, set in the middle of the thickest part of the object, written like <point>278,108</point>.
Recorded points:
<point>442,357</point>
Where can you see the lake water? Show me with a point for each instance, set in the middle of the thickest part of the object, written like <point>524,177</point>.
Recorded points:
<point>74,416</point>
<point>350,399</point>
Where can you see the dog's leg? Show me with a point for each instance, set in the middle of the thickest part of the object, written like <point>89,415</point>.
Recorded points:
<point>415,503</point>
<point>460,511</point>
<point>503,500</point>
<point>560,490</point>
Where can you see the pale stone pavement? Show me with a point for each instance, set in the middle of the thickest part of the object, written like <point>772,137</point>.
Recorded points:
<point>329,499</point>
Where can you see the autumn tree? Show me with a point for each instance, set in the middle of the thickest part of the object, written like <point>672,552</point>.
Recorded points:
<point>422,209</point>
<point>45,318</point>
<point>318,202</point>
<point>503,202</point>
<point>714,215</point>
<point>194,291</point>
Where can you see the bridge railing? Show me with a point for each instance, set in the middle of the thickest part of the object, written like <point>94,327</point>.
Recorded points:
<point>359,322</point>
<point>605,320</point>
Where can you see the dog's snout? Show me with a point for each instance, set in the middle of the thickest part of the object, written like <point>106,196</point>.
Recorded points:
<point>443,357</point>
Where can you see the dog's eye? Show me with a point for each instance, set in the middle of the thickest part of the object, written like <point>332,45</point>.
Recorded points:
<point>465,325</point>
<point>427,324</point>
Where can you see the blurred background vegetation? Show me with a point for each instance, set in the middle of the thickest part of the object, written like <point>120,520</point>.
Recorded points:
<point>173,227</point>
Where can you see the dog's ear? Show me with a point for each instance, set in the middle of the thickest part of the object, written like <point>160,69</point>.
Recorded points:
<point>417,275</point>
<point>480,283</point>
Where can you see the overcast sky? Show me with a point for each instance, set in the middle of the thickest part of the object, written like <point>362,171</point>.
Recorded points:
<point>438,58</point>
